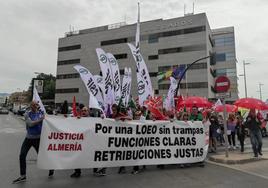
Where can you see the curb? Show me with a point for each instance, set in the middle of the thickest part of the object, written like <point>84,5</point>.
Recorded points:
<point>233,162</point>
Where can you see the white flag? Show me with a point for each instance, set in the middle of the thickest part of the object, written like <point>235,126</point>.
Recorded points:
<point>100,82</point>
<point>124,88</point>
<point>37,99</point>
<point>108,94</point>
<point>90,83</point>
<point>137,41</point>
<point>143,79</point>
<point>128,86</point>
<point>93,103</point>
<point>170,104</point>
<point>116,77</point>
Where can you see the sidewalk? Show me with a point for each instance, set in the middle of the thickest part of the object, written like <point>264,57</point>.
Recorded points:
<point>236,157</point>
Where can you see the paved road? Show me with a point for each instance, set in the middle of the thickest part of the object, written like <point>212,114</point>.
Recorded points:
<point>12,133</point>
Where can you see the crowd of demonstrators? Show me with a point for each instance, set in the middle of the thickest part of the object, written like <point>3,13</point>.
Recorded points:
<point>236,125</point>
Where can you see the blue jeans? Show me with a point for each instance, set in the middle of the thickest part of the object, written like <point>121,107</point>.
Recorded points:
<point>256,141</point>
<point>26,146</point>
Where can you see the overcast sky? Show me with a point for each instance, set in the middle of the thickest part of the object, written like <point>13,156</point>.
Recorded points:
<point>29,32</point>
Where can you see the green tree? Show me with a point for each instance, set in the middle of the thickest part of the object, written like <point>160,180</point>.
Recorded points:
<point>49,86</point>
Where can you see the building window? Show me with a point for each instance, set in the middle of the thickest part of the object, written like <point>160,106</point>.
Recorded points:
<point>163,86</point>
<point>182,49</point>
<point>68,90</point>
<point>164,68</point>
<point>230,56</point>
<point>153,38</point>
<point>153,74</point>
<point>199,66</point>
<point>68,48</point>
<point>202,65</point>
<point>67,76</point>
<point>193,85</point>
<point>220,57</point>
<point>114,41</point>
<point>69,62</point>
<point>212,58</point>
<point>152,57</point>
<point>183,31</point>
<point>120,56</point>
<point>224,41</point>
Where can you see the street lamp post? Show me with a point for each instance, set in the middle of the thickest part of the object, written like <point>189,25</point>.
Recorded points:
<point>185,70</point>
<point>260,84</point>
<point>245,78</point>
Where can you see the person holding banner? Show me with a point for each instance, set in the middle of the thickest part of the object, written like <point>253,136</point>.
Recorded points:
<point>34,121</point>
<point>83,113</point>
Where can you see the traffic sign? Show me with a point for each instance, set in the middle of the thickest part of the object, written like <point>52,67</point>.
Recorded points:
<point>223,95</point>
<point>222,84</point>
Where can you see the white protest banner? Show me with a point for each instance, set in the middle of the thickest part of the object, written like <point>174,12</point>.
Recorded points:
<point>90,83</point>
<point>108,94</point>
<point>116,77</point>
<point>69,143</point>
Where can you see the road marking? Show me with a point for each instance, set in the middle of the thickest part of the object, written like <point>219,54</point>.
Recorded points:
<point>234,168</point>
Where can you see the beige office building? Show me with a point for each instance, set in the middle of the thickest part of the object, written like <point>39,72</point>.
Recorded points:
<point>165,44</point>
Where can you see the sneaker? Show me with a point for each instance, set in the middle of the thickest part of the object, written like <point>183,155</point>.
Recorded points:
<point>100,173</point>
<point>122,170</point>
<point>50,173</point>
<point>75,175</point>
<point>234,147</point>
<point>19,180</point>
<point>255,155</point>
<point>135,172</point>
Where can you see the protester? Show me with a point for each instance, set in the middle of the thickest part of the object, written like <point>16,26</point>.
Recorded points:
<point>253,124</point>
<point>221,130</point>
<point>240,130</point>
<point>34,121</point>
<point>84,112</point>
<point>195,114</point>
<point>64,108</point>
<point>119,115</point>
<point>214,126</point>
<point>185,117</point>
<point>231,128</point>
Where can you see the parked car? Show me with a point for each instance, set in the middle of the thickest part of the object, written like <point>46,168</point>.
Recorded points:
<point>3,110</point>
<point>22,111</point>
<point>49,109</point>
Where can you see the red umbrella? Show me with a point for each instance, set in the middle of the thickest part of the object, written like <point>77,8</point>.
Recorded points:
<point>251,103</point>
<point>195,101</point>
<point>229,108</point>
